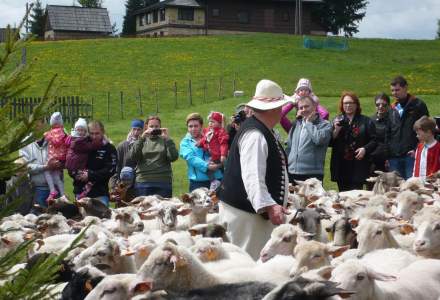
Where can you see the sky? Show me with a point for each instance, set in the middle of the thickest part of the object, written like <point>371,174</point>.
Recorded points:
<point>394,19</point>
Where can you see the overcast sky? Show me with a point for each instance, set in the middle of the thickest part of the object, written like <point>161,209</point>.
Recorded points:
<point>398,19</point>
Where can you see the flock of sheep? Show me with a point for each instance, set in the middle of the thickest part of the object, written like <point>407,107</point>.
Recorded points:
<point>380,244</point>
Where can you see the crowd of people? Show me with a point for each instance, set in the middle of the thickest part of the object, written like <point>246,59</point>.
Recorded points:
<point>395,138</point>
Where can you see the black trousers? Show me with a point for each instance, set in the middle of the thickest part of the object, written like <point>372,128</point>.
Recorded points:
<point>347,186</point>
<point>302,177</point>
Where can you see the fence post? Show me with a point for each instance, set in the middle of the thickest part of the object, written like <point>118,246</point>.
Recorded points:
<point>175,94</point>
<point>157,98</point>
<point>220,87</point>
<point>234,83</point>
<point>141,111</point>
<point>108,106</point>
<point>205,90</point>
<point>122,105</point>
<point>91,107</point>
<point>190,93</point>
<point>77,108</point>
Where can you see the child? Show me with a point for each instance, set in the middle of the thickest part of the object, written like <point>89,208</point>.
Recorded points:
<point>57,149</point>
<point>215,142</point>
<point>427,156</point>
<point>303,88</point>
<point>79,147</point>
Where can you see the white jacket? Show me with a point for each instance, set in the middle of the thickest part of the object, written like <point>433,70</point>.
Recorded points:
<point>36,156</point>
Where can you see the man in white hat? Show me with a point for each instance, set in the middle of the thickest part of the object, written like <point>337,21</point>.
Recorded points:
<point>254,189</point>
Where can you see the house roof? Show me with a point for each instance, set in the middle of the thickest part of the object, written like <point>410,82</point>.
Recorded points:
<point>75,18</point>
<point>170,3</point>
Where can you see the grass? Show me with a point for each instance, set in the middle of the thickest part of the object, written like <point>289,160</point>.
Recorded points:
<point>94,68</point>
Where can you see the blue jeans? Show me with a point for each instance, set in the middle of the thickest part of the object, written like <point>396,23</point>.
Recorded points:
<point>40,195</point>
<point>198,184</point>
<point>404,165</point>
<point>163,189</point>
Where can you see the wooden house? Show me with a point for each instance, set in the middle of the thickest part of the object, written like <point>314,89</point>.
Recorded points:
<point>203,17</point>
<point>74,22</point>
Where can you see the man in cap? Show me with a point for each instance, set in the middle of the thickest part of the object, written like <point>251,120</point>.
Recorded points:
<point>137,127</point>
<point>254,190</point>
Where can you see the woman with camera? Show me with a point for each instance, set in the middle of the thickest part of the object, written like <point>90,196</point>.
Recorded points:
<point>154,152</point>
<point>353,140</point>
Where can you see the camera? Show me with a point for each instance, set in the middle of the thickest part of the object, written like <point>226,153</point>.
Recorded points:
<point>156,131</point>
<point>239,117</point>
<point>343,122</point>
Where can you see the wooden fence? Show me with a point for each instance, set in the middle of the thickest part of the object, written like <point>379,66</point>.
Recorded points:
<point>71,107</point>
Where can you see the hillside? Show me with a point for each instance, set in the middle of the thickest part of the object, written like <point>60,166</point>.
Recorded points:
<point>94,68</point>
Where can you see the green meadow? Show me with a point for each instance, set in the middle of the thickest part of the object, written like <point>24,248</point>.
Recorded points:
<point>148,71</point>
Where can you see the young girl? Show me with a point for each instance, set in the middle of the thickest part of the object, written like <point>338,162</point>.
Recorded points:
<point>79,147</point>
<point>303,88</point>
<point>57,149</point>
<point>215,142</point>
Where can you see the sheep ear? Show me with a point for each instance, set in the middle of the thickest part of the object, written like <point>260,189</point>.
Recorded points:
<point>184,211</point>
<point>312,205</point>
<point>380,276</point>
<point>194,232</point>
<point>406,229</point>
<point>371,179</point>
<point>325,272</point>
<point>6,241</point>
<point>186,198</point>
<point>337,206</point>
<point>148,215</point>
<point>354,223</point>
<point>345,294</point>
<point>337,251</point>
<point>142,287</point>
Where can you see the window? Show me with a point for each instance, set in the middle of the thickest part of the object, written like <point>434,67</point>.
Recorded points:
<point>141,20</point>
<point>162,14</point>
<point>285,17</point>
<point>149,18</point>
<point>216,12</point>
<point>155,16</point>
<point>162,33</point>
<point>186,14</point>
<point>243,17</point>
<point>155,34</point>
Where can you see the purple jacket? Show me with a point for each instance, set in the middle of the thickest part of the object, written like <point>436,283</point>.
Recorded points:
<point>287,124</point>
<point>77,154</point>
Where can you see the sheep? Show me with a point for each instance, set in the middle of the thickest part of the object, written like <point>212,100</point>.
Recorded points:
<point>342,233</point>
<point>283,240</point>
<point>408,203</point>
<point>94,207</point>
<point>50,225</point>
<point>210,230</point>
<point>201,203</point>
<point>373,234</point>
<point>427,239</point>
<point>313,255</point>
<point>301,288</point>
<point>119,286</point>
<point>310,189</point>
<point>106,256</point>
<point>82,282</point>
<point>127,221</point>
<point>420,280</point>
<point>310,220</point>
<point>176,269</point>
<point>385,181</point>
<point>219,256</point>
<point>165,214</point>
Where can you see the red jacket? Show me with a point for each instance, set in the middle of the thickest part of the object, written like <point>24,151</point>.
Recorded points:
<point>432,159</point>
<point>56,139</point>
<point>78,152</point>
<point>215,141</point>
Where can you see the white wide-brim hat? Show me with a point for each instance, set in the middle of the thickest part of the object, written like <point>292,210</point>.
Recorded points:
<point>268,95</point>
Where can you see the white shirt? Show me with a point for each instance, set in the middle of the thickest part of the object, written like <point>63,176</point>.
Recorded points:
<point>424,157</point>
<point>253,150</point>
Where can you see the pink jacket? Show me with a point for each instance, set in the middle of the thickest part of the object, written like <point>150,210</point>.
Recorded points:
<point>56,138</point>
<point>217,144</point>
<point>287,124</point>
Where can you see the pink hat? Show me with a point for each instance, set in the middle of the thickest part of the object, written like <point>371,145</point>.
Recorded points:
<point>216,116</point>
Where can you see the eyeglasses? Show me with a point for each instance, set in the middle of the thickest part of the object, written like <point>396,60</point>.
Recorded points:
<point>381,104</point>
<point>348,103</point>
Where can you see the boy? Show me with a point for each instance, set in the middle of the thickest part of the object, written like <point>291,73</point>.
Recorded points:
<point>427,156</point>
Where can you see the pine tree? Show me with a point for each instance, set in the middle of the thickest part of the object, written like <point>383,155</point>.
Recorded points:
<point>341,15</point>
<point>129,25</point>
<point>38,19</point>
<point>90,3</point>
<point>438,29</point>
<point>17,133</point>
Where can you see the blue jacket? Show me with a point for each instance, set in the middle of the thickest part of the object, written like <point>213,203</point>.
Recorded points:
<point>196,159</point>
